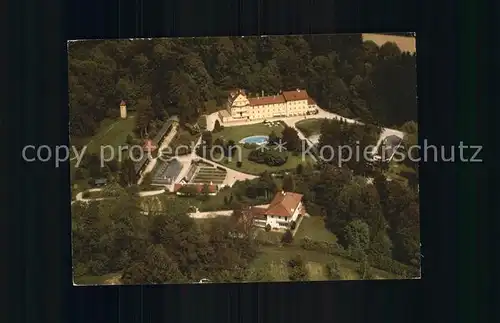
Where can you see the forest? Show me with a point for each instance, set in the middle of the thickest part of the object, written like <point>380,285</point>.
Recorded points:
<point>162,77</point>
<point>375,224</point>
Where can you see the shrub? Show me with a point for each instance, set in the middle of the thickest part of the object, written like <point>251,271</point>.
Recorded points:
<point>269,157</point>
<point>333,270</point>
<point>238,164</point>
<point>297,269</point>
<point>293,225</point>
<point>79,270</point>
<point>268,228</point>
<point>97,267</point>
<point>287,237</point>
<point>217,126</point>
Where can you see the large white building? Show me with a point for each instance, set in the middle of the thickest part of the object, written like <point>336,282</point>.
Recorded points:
<point>240,107</point>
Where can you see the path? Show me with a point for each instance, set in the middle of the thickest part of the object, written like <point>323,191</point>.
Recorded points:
<point>79,197</point>
<point>214,214</point>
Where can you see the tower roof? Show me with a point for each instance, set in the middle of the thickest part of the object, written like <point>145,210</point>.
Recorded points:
<point>123,103</point>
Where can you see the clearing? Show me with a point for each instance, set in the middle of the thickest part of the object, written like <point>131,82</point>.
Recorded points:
<point>313,227</point>
<point>112,132</point>
<point>405,44</point>
<point>310,127</point>
<point>271,255</point>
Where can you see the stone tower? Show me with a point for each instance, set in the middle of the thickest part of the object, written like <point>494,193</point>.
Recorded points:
<point>123,110</point>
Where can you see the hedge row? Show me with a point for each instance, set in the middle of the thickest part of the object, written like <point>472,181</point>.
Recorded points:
<point>381,262</point>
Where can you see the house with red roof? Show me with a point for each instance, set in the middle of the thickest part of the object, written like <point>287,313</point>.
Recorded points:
<point>195,189</point>
<point>240,106</point>
<point>285,208</point>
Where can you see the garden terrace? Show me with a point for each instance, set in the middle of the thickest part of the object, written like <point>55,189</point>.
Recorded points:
<point>206,175</point>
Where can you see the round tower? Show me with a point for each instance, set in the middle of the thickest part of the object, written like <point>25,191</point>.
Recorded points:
<point>123,110</point>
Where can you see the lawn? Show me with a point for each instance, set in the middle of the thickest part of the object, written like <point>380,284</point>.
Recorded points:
<point>313,227</point>
<point>310,127</point>
<point>272,257</point>
<point>112,132</point>
<point>316,271</point>
<point>237,133</point>
<point>93,195</point>
<point>250,167</point>
<point>268,236</point>
<point>96,280</point>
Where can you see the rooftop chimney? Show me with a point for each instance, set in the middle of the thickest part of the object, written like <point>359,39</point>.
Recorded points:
<point>298,90</point>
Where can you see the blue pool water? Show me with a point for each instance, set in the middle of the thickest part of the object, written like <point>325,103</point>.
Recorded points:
<point>259,140</point>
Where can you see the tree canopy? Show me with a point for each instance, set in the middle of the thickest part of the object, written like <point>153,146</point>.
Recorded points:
<point>162,77</point>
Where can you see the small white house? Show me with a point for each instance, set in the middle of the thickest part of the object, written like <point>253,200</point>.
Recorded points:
<point>281,212</point>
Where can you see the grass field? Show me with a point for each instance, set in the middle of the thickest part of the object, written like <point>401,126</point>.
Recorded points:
<point>310,127</point>
<point>112,132</point>
<point>93,195</point>
<point>273,257</point>
<point>405,44</point>
<point>313,227</point>
<point>97,280</point>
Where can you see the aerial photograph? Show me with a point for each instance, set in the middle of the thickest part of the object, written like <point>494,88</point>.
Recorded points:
<point>244,159</point>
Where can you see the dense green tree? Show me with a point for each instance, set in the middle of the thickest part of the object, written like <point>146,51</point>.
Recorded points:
<point>273,138</point>
<point>291,138</point>
<point>333,270</point>
<point>297,270</point>
<point>288,183</point>
<point>358,235</point>
<point>156,268</point>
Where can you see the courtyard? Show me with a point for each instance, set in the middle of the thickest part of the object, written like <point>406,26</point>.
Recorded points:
<point>237,133</point>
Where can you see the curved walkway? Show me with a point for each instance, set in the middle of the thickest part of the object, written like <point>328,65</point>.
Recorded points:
<point>79,196</point>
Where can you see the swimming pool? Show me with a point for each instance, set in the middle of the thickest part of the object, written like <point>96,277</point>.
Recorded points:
<point>259,140</point>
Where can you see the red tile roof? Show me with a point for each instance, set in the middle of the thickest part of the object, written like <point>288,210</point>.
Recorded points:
<point>311,101</point>
<point>148,145</point>
<point>258,212</point>
<point>284,204</point>
<point>295,95</point>
<point>265,100</point>
<point>199,187</point>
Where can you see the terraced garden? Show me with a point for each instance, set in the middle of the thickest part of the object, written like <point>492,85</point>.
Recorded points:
<point>209,174</point>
